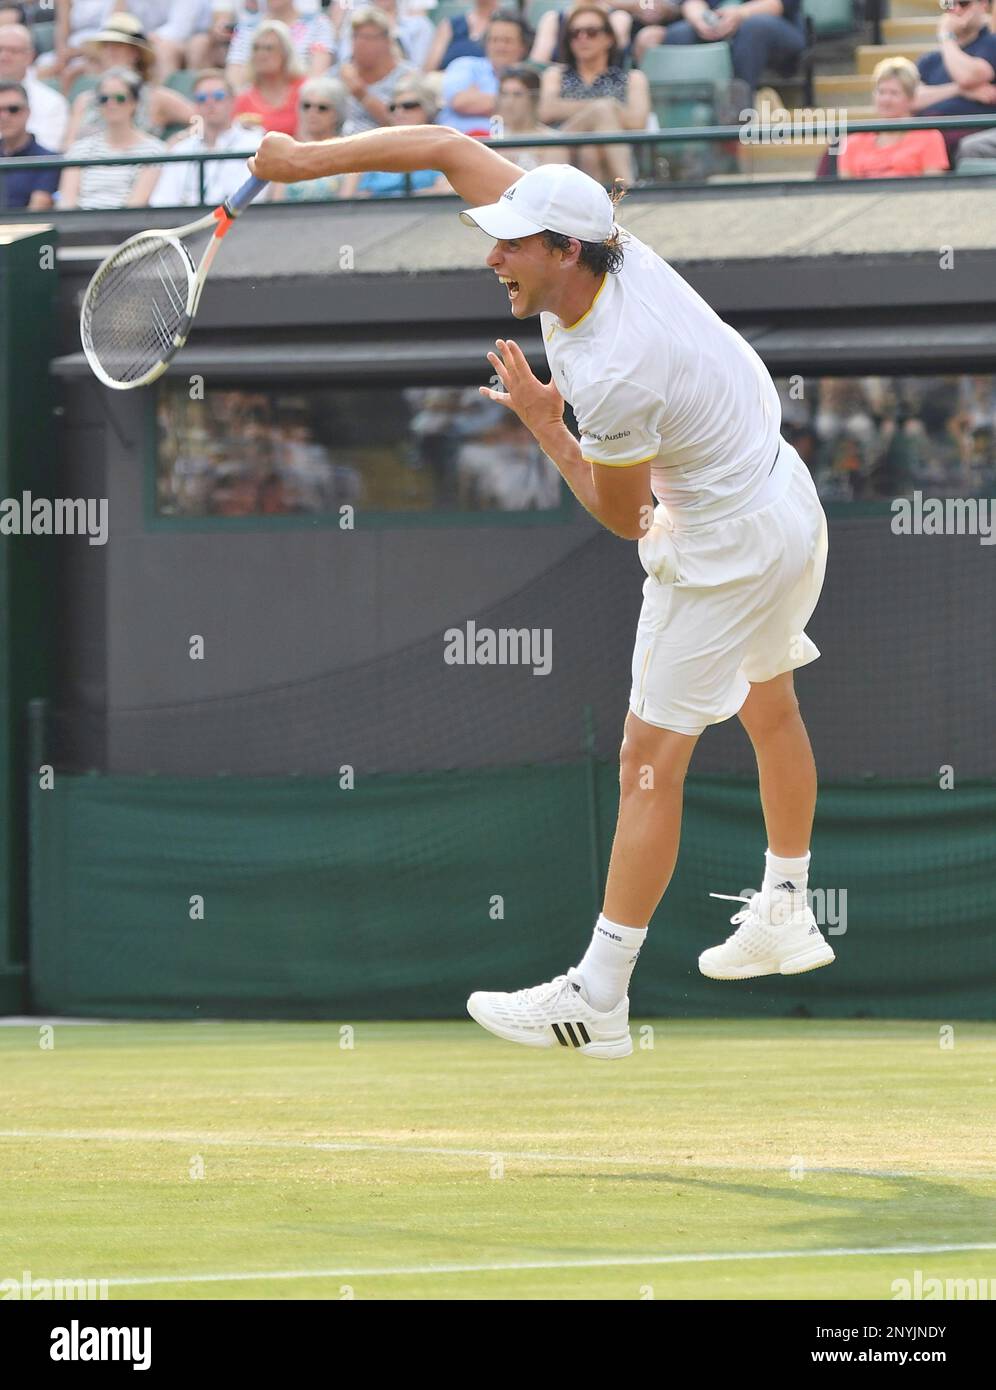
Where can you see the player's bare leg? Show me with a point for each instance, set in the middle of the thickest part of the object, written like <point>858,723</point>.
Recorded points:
<point>652,767</point>
<point>588,1007</point>
<point>785,764</point>
<point>777,932</point>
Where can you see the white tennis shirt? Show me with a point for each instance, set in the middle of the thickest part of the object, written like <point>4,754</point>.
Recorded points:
<point>652,372</point>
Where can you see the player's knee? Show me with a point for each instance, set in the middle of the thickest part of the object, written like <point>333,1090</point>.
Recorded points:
<point>771,715</point>
<point>648,762</point>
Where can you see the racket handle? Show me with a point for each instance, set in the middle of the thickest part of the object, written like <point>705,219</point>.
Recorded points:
<point>241,199</point>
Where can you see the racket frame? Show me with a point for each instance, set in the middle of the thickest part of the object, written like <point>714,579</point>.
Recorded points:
<point>221,218</point>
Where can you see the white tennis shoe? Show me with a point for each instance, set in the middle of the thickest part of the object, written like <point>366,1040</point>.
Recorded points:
<point>760,946</point>
<point>556,1014</point>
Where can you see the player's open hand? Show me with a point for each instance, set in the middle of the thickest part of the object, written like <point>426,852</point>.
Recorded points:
<point>277,159</point>
<point>537,406</point>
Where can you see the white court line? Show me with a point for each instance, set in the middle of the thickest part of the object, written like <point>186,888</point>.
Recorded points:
<point>594,1262</point>
<point>125,1136</point>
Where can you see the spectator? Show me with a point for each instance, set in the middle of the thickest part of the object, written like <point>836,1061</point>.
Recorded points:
<point>211,47</point>
<point>179,184</point>
<point>76,23</point>
<point>413,103</point>
<point>123,43</point>
<point>588,90</point>
<point>12,14</point>
<point>518,103</point>
<point>275,79</point>
<point>413,33</point>
<point>120,185</point>
<point>33,188</point>
<point>461,36</point>
<point>322,110</point>
<point>311,36</point>
<point>470,85</point>
<point>761,33</point>
<point>49,110</point>
<point>957,79</point>
<point>373,73</point>
<point>550,29</point>
<point>886,155</point>
<point>170,25</point>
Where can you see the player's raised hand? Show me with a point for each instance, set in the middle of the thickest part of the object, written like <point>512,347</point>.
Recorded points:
<point>537,406</point>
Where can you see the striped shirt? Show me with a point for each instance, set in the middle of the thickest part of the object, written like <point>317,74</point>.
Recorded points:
<point>109,187</point>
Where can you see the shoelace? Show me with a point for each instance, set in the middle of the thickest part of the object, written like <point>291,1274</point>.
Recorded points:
<point>745,913</point>
<point>541,994</point>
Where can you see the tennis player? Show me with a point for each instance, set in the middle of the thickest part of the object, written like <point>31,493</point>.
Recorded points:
<point>680,450</point>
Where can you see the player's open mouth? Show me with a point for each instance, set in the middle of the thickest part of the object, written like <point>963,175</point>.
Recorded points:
<point>511,285</point>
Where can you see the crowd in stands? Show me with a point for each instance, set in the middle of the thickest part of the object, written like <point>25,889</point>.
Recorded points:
<point>866,438</point>
<point>92,79</point>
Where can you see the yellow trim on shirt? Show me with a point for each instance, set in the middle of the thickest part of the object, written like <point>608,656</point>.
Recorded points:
<point>569,327</point>
<point>619,463</point>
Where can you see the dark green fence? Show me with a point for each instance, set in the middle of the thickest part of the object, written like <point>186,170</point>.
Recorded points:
<point>398,897</point>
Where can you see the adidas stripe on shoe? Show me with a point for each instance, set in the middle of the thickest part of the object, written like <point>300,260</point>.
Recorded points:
<point>555,1014</point>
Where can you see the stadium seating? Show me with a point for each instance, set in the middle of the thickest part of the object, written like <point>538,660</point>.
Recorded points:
<point>976,166</point>
<point>182,81</point>
<point>831,17</point>
<point>688,85</point>
<point>44,36</point>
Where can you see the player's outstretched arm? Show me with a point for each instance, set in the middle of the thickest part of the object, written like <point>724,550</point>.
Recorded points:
<point>479,174</point>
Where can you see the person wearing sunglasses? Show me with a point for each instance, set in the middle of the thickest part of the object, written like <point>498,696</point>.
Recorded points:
<point>32,189</point>
<point>311,35</point>
<point>49,110</point>
<point>321,112</point>
<point>120,185</point>
<point>587,89</point>
<point>959,77</point>
<point>123,43</point>
<point>179,184</point>
<point>275,77</point>
<point>626,18</point>
<point>413,104</point>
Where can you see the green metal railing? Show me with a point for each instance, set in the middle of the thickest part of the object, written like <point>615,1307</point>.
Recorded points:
<point>746,134</point>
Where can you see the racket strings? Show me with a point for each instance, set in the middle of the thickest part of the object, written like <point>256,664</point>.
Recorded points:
<point>136,310</point>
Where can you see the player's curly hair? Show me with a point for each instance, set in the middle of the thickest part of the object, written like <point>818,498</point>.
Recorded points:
<point>600,257</point>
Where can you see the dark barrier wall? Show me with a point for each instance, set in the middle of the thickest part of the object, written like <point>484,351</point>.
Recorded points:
<point>325,647</point>
<point>28,285</point>
<point>221,897</point>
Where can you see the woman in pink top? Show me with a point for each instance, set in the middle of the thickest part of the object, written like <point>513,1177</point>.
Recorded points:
<point>275,76</point>
<point>885,155</point>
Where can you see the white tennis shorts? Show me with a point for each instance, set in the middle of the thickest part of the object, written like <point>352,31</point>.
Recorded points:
<point>726,603</point>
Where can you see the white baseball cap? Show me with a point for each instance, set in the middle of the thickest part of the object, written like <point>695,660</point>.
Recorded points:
<point>552,198</point>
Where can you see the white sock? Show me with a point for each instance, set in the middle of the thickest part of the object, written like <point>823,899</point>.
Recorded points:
<point>784,885</point>
<point>608,962</point>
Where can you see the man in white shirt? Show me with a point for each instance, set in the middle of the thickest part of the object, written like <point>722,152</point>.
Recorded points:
<point>49,109</point>
<point>179,184</point>
<point>671,404</point>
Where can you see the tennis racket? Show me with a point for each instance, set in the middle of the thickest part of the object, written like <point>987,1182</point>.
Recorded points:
<point>139,306</point>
